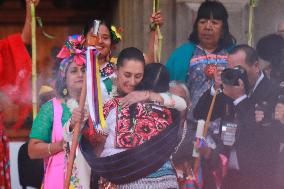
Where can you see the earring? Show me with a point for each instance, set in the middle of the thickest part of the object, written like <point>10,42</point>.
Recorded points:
<point>108,56</point>
<point>65,91</point>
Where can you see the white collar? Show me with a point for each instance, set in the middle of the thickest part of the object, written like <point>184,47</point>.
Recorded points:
<point>258,81</point>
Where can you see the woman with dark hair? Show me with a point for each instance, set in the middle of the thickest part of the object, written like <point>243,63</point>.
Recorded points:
<point>151,79</point>
<point>142,128</point>
<point>115,36</point>
<point>208,45</point>
<point>270,49</point>
<point>46,137</point>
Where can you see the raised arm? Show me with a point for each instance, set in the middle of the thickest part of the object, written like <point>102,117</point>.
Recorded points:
<point>155,19</point>
<point>26,32</point>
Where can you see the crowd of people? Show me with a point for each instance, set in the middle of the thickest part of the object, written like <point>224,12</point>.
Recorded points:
<point>152,110</point>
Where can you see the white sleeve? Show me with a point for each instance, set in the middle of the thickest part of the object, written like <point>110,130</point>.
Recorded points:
<point>173,101</point>
<point>111,121</point>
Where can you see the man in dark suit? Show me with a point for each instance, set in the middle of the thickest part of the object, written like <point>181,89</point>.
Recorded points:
<point>254,153</point>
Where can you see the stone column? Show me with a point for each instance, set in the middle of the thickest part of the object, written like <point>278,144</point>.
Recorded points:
<point>267,16</point>
<point>133,16</point>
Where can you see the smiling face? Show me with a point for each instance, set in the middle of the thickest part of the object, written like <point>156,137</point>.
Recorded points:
<point>74,78</point>
<point>129,75</point>
<point>103,44</point>
<point>209,32</point>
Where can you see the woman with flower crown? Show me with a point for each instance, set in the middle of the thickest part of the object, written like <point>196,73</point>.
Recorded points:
<point>43,143</point>
<point>46,137</point>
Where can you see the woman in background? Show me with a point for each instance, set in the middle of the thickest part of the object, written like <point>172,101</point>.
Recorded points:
<point>46,137</point>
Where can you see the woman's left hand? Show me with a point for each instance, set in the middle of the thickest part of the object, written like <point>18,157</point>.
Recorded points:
<point>134,97</point>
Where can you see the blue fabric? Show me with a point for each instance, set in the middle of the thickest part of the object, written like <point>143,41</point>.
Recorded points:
<point>166,169</point>
<point>180,56</point>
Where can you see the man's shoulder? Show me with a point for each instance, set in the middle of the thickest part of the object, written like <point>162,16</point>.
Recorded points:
<point>267,90</point>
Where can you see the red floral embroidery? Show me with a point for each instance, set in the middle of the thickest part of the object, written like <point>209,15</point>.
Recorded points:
<point>149,120</point>
<point>107,70</point>
<point>129,139</point>
<point>109,105</point>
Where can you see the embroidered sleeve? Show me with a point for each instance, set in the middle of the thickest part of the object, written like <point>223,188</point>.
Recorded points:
<point>149,120</point>
<point>109,105</point>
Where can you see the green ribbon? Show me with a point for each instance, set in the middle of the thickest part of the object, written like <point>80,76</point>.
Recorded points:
<point>40,24</point>
<point>108,84</point>
<point>252,5</point>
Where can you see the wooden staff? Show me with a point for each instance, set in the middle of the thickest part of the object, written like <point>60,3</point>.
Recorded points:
<point>206,126</point>
<point>34,72</point>
<point>252,5</point>
<point>158,49</point>
<point>77,129</point>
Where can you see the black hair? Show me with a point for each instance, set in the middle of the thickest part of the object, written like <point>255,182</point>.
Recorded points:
<point>271,49</point>
<point>156,78</point>
<point>251,54</point>
<point>130,53</point>
<point>218,11</point>
<point>89,25</point>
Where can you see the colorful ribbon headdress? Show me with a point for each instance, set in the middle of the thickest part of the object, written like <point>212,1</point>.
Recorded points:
<point>73,50</point>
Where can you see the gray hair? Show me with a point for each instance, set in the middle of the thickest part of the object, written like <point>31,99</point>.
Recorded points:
<point>184,87</point>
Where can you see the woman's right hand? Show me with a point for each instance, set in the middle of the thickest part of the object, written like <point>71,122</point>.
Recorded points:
<point>78,116</point>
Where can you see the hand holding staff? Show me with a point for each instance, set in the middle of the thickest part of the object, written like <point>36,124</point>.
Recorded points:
<point>158,47</point>
<point>206,126</point>
<point>75,138</point>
